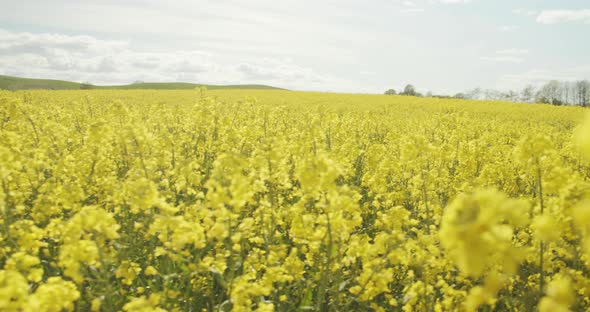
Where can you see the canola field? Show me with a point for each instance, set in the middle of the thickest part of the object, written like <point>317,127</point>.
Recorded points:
<point>290,201</point>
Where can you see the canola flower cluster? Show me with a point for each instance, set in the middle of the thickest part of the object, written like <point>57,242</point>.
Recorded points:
<point>288,201</point>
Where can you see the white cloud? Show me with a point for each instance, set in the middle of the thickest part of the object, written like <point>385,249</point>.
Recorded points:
<point>367,72</point>
<point>275,70</point>
<point>410,6</point>
<point>232,41</point>
<point>508,28</point>
<point>412,10</point>
<point>525,12</point>
<point>454,1</point>
<point>23,42</point>
<point>513,55</point>
<point>513,51</point>
<point>418,6</point>
<point>409,3</point>
<point>87,58</point>
<point>563,16</point>
<point>502,59</point>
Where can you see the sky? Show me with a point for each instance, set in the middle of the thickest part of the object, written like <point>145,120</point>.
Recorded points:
<point>357,46</point>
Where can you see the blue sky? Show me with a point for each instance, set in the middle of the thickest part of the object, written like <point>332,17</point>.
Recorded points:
<point>444,46</point>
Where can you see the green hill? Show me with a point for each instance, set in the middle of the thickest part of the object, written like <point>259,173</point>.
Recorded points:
<point>17,83</point>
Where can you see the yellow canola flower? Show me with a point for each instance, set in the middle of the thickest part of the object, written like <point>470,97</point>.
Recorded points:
<point>545,227</point>
<point>26,264</point>
<point>142,304</point>
<point>128,271</point>
<point>95,305</point>
<point>177,232</point>
<point>14,291</point>
<point>54,296</point>
<point>243,292</point>
<point>581,217</point>
<point>532,147</point>
<point>559,295</point>
<point>143,194</point>
<point>150,270</point>
<point>486,294</point>
<point>72,256</point>
<point>280,200</point>
<point>30,236</point>
<point>477,230</point>
<point>265,307</point>
<point>582,137</point>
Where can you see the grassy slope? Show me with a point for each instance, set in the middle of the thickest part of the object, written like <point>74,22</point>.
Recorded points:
<point>16,83</point>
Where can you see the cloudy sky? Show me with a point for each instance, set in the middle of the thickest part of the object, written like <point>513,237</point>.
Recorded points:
<point>444,46</point>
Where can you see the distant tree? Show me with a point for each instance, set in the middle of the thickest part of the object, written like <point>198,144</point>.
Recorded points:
<point>409,90</point>
<point>86,86</point>
<point>510,95</point>
<point>550,93</point>
<point>528,94</point>
<point>582,92</point>
<point>553,92</point>
<point>474,94</point>
<point>490,94</point>
<point>460,95</point>
<point>557,102</point>
<point>429,94</point>
<point>567,92</point>
<point>390,92</point>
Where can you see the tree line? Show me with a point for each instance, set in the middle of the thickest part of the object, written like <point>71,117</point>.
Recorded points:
<point>553,92</point>
<point>409,90</point>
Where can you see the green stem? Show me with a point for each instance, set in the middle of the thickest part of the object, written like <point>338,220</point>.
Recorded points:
<point>541,245</point>
<point>323,292</point>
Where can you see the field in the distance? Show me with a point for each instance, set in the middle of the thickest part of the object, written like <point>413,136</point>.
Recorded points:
<point>245,200</point>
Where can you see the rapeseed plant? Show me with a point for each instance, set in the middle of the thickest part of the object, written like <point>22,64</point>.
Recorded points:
<point>288,201</point>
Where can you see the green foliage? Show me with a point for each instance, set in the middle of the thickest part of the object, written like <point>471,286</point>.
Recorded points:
<point>410,90</point>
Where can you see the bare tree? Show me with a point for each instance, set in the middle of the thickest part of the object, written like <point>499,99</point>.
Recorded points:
<point>528,94</point>
<point>510,95</point>
<point>491,94</point>
<point>582,92</point>
<point>550,93</point>
<point>474,94</point>
<point>567,92</point>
